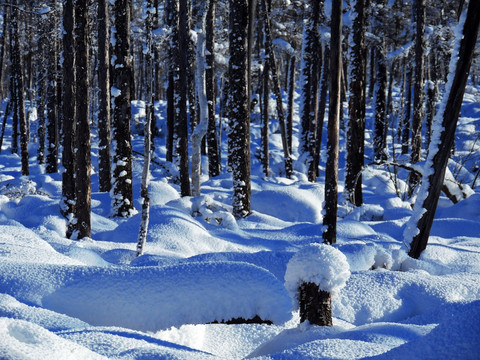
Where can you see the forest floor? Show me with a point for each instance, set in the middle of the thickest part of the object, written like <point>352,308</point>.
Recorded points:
<point>93,298</point>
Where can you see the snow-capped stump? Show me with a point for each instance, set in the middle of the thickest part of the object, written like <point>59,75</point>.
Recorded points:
<point>156,298</point>
<point>313,274</point>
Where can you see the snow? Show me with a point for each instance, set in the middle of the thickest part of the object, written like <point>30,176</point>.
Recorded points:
<point>94,299</point>
<point>320,264</point>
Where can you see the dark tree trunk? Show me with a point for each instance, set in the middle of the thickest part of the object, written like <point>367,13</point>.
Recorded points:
<point>331,169</point>
<point>315,305</point>
<point>52,101</point>
<point>17,75</point>
<point>432,94</point>
<point>265,155</point>
<point>270,55</point>
<point>451,112</point>
<point>180,98</point>
<point>356,124</point>
<point>407,111</point>
<point>82,139</point>
<point>419,95</point>
<point>290,103</point>
<point>214,165</point>
<point>239,133</point>
<point>42,90</point>
<point>310,72</point>
<point>122,79</point>
<point>69,119</point>
<point>381,124</point>
<point>322,104</point>
<point>104,116</point>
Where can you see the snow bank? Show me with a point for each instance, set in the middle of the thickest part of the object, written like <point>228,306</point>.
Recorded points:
<point>320,264</point>
<point>152,298</point>
<point>20,339</point>
<point>290,203</point>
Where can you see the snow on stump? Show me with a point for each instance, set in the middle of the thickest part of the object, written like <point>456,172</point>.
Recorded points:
<point>314,274</point>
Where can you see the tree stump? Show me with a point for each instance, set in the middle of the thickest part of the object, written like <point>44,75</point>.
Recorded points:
<point>315,305</point>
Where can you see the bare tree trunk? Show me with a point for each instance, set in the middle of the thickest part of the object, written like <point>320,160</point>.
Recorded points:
<point>104,115</point>
<point>17,74</point>
<point>214,164</point>
<point>147,149</point>
<point>265,155</point>
<point>331,170</point>
<point>239,134</point>
<point>290,109</point>
<point>277,92</point>
<point>419,95</point>
<point>83,164</point>
<point>449,113</point>
<point>69,117</point>
<point>407,111</point>
<point>122,86</point>
<point>52,101</point>
<point>315,305</point>
<point>356,125</point>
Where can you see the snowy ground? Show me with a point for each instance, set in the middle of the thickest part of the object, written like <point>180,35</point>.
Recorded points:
<point>89,299</point>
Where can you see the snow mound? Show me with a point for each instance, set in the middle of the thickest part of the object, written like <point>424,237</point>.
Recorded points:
<point>288,203</point>
<point>20,339</point>
<point>321,264</point>
<point>152,298</point>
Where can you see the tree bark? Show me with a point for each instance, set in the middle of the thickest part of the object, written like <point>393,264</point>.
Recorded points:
<point>69,118</point>
<point>52,101</point>
<point>239,107</point>
<point>104,105</point>
<point>83,164</point>
<point>315,305</point>
<point>356,124</point>
<point>122,78</point>
<point>331,170</point>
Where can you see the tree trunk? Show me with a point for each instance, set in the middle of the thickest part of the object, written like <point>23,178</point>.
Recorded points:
<point>331,169</point>
<point>180,98</point>
<point>311,64</point>
<point>449,112</point>
<point>419,95</point>
<point>122,79</point>
<point>17,74</point>
<point>322,104</point>
<point>239,133</point>
<point>290,103</point>
<point>82,139</point>
<point>381,125</point>
<point>69,118</point>
<point>407,111</point>
<point>356,124</point>
<point>52,101</point>
<point>315,305</point>
<point>265,151</point>
<point>147,149</point>
<point>104,115</point>
<point>278,95</point>
<point>214,164</point>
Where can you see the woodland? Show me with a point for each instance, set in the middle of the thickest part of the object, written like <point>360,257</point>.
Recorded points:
<point>197,178</point>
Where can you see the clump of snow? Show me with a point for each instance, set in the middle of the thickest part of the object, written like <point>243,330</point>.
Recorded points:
<point>320,264</point>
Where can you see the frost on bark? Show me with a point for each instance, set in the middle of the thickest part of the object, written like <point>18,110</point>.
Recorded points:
<point>356,124</point>
<point>104,114</point>
<point>68,115</point>
<point>239,112</point>
<point>329,232</point>
<point>121,92</point>
<point>444,135</point>
<point>83,164</point>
